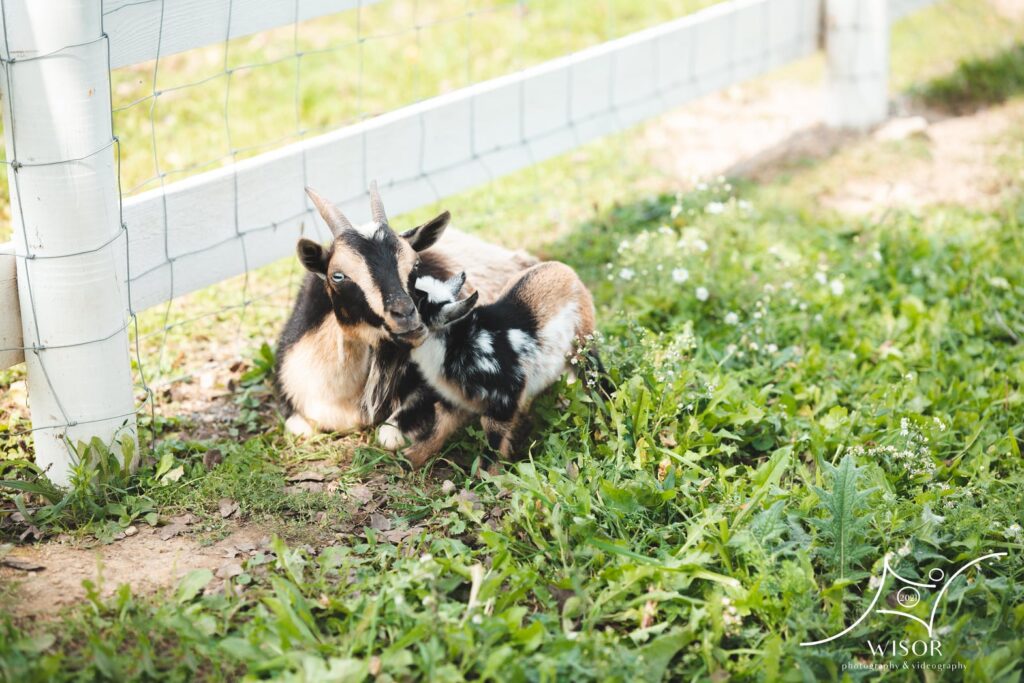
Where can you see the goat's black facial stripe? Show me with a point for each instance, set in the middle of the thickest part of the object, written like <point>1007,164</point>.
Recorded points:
<point>350,306</point>
<point>381,257</point>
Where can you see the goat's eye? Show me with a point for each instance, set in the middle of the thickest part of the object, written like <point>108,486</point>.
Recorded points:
<point>337,276</point>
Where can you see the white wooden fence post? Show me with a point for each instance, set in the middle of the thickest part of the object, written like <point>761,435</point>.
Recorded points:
<point>857,49</point>
<point>69,243</point>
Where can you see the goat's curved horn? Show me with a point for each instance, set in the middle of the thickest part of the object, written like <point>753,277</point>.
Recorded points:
<point>376,205</point>
<point>332,215</point>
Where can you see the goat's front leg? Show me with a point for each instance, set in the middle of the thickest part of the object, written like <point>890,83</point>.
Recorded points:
<point>506,436</point>
<point>447,420</point>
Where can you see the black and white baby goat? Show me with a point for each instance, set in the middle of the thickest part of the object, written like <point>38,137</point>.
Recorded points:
<point>494,360</point>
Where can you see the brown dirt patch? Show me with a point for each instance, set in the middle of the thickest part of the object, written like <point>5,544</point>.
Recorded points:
<point>145,562</point>
<point>960,167</point>
<point>738,131</point>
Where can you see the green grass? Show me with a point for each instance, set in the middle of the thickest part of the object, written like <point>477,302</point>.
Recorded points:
<point>847,388</point>
<point>687,528</point>
<point>978,82</point>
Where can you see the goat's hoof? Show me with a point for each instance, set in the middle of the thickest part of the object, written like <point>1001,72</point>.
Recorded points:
<point>297,425</point>
<point>390,437</point>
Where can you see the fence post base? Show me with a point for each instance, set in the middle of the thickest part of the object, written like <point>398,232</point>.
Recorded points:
<point>69,244</point>
<point>857,52</point>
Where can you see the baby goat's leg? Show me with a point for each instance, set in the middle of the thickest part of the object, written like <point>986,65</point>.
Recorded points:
<point>507,436</point>
<point>448,419</point>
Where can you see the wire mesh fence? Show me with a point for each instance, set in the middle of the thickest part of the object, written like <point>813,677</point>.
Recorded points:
<point>210,141</point>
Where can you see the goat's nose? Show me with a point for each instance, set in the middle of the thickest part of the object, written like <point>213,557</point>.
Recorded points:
<point>402,308</point>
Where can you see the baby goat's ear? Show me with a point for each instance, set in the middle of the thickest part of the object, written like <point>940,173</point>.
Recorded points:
<point>454,312</point>
<point>424,236</point>
<point>455,283</point>
<point>313,257</point>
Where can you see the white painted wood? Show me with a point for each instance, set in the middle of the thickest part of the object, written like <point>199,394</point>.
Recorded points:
<point>857,50</point>
<point>10,315</point>
<point>447,144</point>
<point>138,28</point>
<point>68,242</point>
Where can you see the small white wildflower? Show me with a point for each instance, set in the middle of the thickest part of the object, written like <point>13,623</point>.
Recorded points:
<point>731,318</point>
<point>627,274</point>
<point>1014,530</point>
<point>904,550</point>
<point>714,208</point>
<point>769,288</point>
<point>940,424</point>
<point>999,282</point>
<point>477,619</point>
<point>676,210</point>
<point>771,348</point>
<point>700,245</point>
<point>744,205</point>
<point>680,275</point>
<point>731,349</point>
<point>702,186</point>
<point>754,346</point>
<point>837,287</point>
<point>758,315</point>
<point>877,255</point>
<point>702,294</point>
<point>803,305</point>
<point>821,277</point>
<point>426,557</point>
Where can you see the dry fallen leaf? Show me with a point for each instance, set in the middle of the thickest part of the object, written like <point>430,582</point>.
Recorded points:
<point>308,475</point>
<point>212,458</point>
<point>229,570</point>
<point>22,565</point>
<point>360,492</point>
<point>171,530</point>
<point>380,522</point>
<point>227,507</point>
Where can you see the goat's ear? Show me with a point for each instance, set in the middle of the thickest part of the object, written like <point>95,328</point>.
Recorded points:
<point>424,236</point>
<point>458,310</point>
<point>313,257</point>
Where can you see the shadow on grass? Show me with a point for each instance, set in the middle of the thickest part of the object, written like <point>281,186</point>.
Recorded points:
<point>977,83</point>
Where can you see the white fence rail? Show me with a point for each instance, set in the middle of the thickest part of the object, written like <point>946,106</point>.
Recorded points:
<point>204,229</point>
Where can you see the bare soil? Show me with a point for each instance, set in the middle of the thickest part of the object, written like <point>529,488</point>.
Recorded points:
<point>146,562</point>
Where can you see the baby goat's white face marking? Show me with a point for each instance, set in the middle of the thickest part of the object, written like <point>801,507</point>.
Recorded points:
<point>437,291</point>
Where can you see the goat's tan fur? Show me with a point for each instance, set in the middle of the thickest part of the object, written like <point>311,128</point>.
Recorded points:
<point>325,372</point>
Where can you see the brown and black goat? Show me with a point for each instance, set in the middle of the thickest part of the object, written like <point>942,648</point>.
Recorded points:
<point>343,352</point>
